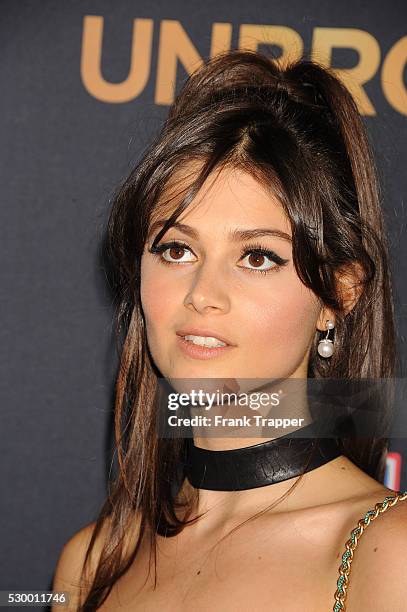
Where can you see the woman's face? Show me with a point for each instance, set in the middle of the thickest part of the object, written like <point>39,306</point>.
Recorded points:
<point>256,302</point>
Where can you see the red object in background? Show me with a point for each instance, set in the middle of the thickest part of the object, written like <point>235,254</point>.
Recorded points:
<point>393,471</point>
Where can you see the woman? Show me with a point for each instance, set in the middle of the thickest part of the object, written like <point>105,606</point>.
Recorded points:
<point>248,145</point>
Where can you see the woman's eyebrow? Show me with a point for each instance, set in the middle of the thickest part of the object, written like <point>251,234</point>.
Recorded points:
<point>235,235</point>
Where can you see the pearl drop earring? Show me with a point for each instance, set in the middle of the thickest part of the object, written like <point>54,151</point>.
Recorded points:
<point>326,346</point>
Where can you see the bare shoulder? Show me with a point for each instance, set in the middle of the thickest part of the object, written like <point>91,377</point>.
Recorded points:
<point>68,572</point>
<point>69,575</point>
<point>379,567</point>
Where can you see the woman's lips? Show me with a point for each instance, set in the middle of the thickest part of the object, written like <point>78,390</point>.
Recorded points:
<point>201,352</point>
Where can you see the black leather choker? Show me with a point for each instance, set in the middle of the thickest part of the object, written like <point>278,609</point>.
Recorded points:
<point>259,465</point>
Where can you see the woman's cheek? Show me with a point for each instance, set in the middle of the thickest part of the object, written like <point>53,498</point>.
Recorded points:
<point>285,320</point>
<point>159,300</point>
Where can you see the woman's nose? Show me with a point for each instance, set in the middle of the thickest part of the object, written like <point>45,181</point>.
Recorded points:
<point>208,290</point>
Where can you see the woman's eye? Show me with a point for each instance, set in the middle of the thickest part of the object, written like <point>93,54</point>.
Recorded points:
<point>258,255</point>
<point>260,258</point>
<point>260,262</point>
<point>171,252</point>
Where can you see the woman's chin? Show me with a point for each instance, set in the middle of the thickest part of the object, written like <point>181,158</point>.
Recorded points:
<point>204,383</point>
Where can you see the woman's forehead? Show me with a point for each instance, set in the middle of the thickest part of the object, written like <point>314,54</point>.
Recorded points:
<point>229,198</point>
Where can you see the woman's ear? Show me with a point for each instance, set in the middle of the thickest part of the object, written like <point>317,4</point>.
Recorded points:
<point>349,286</point>
<point>324,316</point>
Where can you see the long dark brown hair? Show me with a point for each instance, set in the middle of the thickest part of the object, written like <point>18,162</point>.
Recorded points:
<point>297,130</point>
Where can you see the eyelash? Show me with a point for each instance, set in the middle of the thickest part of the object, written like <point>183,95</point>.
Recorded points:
<point>257,249</point>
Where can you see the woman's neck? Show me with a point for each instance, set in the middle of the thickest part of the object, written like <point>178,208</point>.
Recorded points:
<point>237,424</point>
<point>318,486</point>
<point>334,482</point>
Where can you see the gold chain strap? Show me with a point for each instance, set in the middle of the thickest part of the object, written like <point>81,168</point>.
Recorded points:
<point>351,544</point>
